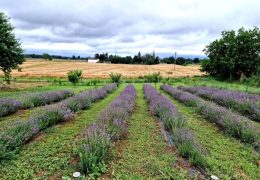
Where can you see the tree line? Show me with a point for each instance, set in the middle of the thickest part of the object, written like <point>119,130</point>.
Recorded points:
<point>147,59</point>
<point>50,57</point>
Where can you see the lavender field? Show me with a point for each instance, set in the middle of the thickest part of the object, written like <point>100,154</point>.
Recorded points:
<point>130,131</point>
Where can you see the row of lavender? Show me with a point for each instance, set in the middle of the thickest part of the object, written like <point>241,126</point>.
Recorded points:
<point>232,123</point>
<point>97,140</point>
<point>9,106</point>
<point>246,104</point>
<point>14,135</point>
<point>175,123</point>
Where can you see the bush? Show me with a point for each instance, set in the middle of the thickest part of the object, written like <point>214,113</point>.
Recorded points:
<point>153,78</point>
<point>115,77</point>
<point>97,145</point>
<point>74,76</point>
<point>94,153</point>
<point>8,106</point>
<point>235,125</point>
<point>40,99</point>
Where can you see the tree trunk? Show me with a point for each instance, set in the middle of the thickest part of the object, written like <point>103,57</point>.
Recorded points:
<point>7,76</point>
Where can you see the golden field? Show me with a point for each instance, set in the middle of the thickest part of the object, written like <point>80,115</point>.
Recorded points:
<point>59,68</point>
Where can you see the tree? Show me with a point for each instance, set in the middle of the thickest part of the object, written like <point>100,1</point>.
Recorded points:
<point>46,56</point>
<point>11,53</point>
<point>137,59</point>
<point>196,61</point>
<point>234,55</point>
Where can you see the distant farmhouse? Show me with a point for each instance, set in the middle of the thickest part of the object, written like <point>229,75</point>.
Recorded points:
<point>93,60</point>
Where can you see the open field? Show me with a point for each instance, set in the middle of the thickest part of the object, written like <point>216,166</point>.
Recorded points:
<point>145,149</point>
<point>58,68</point>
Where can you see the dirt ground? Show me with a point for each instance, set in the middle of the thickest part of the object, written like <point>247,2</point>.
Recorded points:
<point>59,68</point>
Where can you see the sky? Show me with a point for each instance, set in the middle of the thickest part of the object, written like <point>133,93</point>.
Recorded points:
<point>124,27</point>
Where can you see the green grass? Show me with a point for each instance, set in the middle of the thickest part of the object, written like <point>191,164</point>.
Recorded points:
<point>52,153</point>
<point>144,153</point>
<point>227,157</point>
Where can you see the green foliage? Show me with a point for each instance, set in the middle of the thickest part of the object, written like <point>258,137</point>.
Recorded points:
<point>74,76</point>
<point>115,77</point>
<point>11,53</point>
<point>94,153</point>
<point>153,78</point>
<point>46,56</point>
<point>234,55</point>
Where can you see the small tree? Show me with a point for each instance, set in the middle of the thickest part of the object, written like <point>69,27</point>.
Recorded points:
<point>115,77</point>
<point>46,56</point>
<point>74,76</point>
<point>11,53</point>
<point>153,78</point>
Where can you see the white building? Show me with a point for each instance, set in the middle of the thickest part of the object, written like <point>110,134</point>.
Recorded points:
<point>92,60</point>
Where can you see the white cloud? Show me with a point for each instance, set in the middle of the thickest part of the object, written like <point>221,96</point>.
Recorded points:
<point>127,26</point>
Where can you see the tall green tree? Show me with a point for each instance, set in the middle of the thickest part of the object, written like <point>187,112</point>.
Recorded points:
<point>11,53</point>
<point>235,55</point>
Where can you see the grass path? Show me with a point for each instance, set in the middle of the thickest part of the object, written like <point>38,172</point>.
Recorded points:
<point>51,154</point>
<point>227,157</point>
<point>144,154</point>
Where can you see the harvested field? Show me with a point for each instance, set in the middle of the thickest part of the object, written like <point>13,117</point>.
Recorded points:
<point>59,68</point>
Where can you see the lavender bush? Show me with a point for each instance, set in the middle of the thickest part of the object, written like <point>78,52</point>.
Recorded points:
<point>232,123</point>
<point>161,107</point>
<point>8,106</point>
<point>40,99</point>
<point>246,104</point>
<point>12,136</point>
<point>174,122</point>
<point>97,142</point>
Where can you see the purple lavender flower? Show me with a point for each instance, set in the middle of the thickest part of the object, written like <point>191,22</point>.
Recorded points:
<point>40,99</point>
<point>12,136</point>
<point>98,138</point>
<point>236,125</point>
<point>246,104</point>
<point>8,106</point>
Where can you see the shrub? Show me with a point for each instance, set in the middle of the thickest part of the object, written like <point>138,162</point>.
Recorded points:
<point>234,124</point>
<point>97,144</point>
<point>153,78</point>
<point>40,99</point>
<point>245,104</point>
<point>188,147</point>
<point>174,123</point>
<point>74,76</point>
<point>8,106</point>
<point>115,77</point>
<point>12,136</point>
<point>95,151</point>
